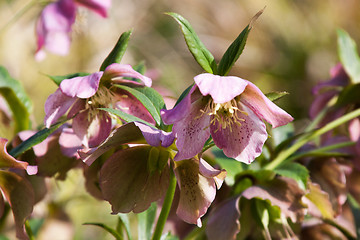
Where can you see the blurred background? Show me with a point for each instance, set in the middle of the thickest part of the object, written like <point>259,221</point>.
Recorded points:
<point>292,46</point>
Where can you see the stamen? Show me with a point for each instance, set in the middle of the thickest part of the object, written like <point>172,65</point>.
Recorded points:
<point>226,114</point>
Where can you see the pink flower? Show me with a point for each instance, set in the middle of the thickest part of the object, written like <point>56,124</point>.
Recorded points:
<point>82,96</point>
<point>233,115</point>
<point>134,177</point>
<point>53,28</point>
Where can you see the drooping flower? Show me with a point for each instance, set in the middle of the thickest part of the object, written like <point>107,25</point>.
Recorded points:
<point>54,26</point>
<point>233,115</point>
<point>134,177</point>
<point>82,96</point>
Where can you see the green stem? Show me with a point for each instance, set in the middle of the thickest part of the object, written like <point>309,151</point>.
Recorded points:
<point>29,231</point>
<point>165,207</point>
<point>302,141</point>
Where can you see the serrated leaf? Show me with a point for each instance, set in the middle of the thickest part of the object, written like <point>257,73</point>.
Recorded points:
<point>110,230</point>
<point>145,222</point>
<point>118,51</point>
<point>148,104</point>
<point>201,54</point>
<point>235,49</point>
<point>295,171</point>
<point>17,100</point>
<point>273,96</point>
<point>125,116</point>
<point>58,79</point>
<point>35,139</point>
<point>349,56</point>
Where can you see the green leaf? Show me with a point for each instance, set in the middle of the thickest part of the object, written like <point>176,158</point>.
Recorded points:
<point>17,100</point>
<point>295,171</point>
<point>349,56</point>
<point>124,223</point>
<point>235,49</point>
<point>184,94</point>
<point>110,230</point>
<point>153,96</point>
<point>35,139</point>
<point>321,200</point>
<point>36,224</point>
<point>355,208</point>
<point>349,95</point>
<point>58,79</point>
<point>203,57</point>
<point>168,236</point>
<point>273,96</point>
<point>118,51</point>
<point>148,104</point>
<point>145,222</point>
<point>124,116</point>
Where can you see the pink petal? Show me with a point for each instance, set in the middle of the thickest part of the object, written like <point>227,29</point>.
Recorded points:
<point>54,26</point>
<point>208,171</point>
<point>127,103</point>
<point>155,137</point>
<point>181,110</point>
<point>81,87</point>
<point>224,221</point>
<point>354,130</point>
<point>92,131</point>
<point>221,88</point>
<point>69,143</point>
<point>245,142</point>
<point>116,70</point>
<point>20,195</point>
<point>78,106</point>
<point>56,105</point>
<point>99,6</point>
<point>320,102</point>
<point>253,98</point>
<point>192,132</point>
<point>196,191</point>
<point>127,133</point>
<point>126,182</point>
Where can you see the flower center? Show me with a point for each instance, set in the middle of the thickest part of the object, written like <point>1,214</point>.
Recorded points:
<point>102,98</point>
<point>225,114</point>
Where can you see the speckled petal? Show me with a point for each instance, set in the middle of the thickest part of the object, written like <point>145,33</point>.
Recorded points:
<point>196,191</point>
<point>245,142</point>
<point>222,89</point>
<point>265,109</point>
<point>192,131</point>
<point>81,87</point>
<point>56,105</point>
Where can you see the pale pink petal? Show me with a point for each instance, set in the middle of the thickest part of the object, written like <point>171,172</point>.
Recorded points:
<point>192,132</point>
<point>354,130</point>
<point>117,70</point>
<point>92,131</point>
<point>208,171</point>
<point>69,143</point>
<point>56,106</point>
<point>222,89</point>
<point>181,110</point>
<point>127,103</point>
<point>128,185</point>
<point>253,98</point>
<point>54,26</point>
<point>155,137</point>
<point>243,142</point>
<point>196,191</point>
<point>99,6</point>
<point>224,221</point>
<point>81,87</point>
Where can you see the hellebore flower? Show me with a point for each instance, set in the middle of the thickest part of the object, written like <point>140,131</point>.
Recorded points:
<point>84,95</point>
<point>233,115</point>
<point>53,28</point>
<point>134,177</point>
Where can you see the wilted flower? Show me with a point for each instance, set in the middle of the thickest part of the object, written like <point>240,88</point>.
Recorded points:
<point>132,178</point>
<point>233,115</point>
<point>54,25</point>
<point>84,95</point>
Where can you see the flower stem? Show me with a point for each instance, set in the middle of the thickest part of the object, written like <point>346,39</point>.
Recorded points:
<point>302,141</point>
<point>165,207</point>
